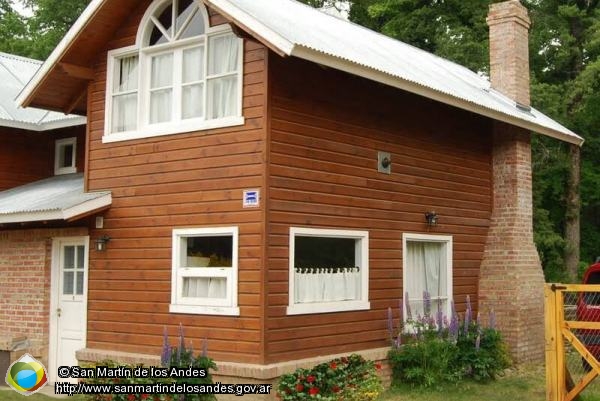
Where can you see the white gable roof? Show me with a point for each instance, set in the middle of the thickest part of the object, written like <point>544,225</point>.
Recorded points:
<point>15,72</point>
<point>291,28</point>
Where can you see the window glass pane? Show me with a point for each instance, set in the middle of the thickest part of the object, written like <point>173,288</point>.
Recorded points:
<point>193,64</point>
<point>69,257</point>
<point>160,106</point>
<point>66,156</point>
<point>192,101</point>
<point>79,287</point>
<point>165,18</point>
<point>195,27</point>
<point>125,74</point>
<point>223,97</point>
<point>80,257</point>
<point>426,266</point>
<point>68,283</point>
<point>213,251</point>
<point>223,54</point>
<point>204,287</point>
<point>124,113</point>
<point>325,252</point>
<point>162,71</point>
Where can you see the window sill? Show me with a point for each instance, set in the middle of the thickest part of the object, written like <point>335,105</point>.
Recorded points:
<point>205,310</point>
<point>327,307</point>
<point>171,129</point>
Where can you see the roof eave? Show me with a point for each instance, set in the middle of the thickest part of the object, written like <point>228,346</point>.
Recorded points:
<point>379,76</point>
<point>47,126</point>
<point>27,94</point>
<point>69,214</point>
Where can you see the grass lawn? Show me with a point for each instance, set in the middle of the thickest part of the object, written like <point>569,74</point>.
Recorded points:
<point>527,384</point>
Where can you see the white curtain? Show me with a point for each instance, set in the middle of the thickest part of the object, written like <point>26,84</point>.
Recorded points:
<point>223,91</point>
<point>161,91</point>
<point>125,98</point>
<point>326,285</point>
<point>192,92</point>
<point>204,287</point>
<point>426,266</point>
<point>223,54</point>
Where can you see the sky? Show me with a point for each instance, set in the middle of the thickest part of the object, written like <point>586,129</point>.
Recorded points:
<point>16,5</point>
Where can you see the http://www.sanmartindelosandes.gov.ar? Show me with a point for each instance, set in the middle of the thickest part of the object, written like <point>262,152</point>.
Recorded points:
<point>26,375</point>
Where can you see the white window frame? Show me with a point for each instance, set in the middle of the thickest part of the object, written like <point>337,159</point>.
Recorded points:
<point>337,306</point>
<point>59,145</point>
<point>445,239</point>
<point>204,306</point>
<point>143,127</point>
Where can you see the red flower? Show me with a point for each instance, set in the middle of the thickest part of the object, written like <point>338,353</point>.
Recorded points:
<point>310,379</point>
<point>344,359</point>
<point>299,387</point>
<point>131,397</point>
<point>378,366</point>
<point>335,389</point>
<point>144,396</point>
<point>313,390</point>
<point>333,365</point>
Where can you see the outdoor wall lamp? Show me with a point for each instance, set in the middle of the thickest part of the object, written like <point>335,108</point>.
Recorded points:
<point>431,218</point>
<point>101,243</point>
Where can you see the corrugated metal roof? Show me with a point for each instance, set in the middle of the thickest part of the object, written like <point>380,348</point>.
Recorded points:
<point>55,198</point>
<point>294,29</point>
<point>299,30</point>
<point>15,73</point>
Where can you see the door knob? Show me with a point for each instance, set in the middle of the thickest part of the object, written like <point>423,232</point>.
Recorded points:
<point>58,311</point>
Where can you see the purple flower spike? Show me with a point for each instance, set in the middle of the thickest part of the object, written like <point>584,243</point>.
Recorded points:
<point>165,356</point>
<point>440,321</point>
<point>468,315</point>
<point>492,319</point>
<point>205,347</point>
<point>407,303</point>
<point>426,303</point>
<point>453,328</point>
<point>478,342</point>
<point>390,324</point>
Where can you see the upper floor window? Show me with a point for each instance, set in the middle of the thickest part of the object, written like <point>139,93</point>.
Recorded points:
<point>65,155</point>
<point>182,75</point>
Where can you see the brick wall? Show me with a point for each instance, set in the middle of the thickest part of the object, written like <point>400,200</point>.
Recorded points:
<point>25,260</point>
<point>511,277</point>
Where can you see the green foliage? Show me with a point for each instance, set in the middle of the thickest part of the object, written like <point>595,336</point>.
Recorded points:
<point>343,379</point>
<point>184,357</point>
<point>428,351</point>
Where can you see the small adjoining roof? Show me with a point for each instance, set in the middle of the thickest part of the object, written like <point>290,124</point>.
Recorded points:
<point>57,198</point>
<point>15,72</point>
<point>290,28</point>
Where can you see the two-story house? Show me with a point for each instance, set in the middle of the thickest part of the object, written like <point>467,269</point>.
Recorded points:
<point>279,177</point>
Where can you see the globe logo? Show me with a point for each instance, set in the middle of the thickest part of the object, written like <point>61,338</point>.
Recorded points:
<point>26,375</point>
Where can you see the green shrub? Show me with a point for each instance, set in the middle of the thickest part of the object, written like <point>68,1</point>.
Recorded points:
<point>343,379</point>
<point>428,351</point>
<point>180,356</point>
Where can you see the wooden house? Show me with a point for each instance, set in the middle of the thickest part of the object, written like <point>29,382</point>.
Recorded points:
<point>280,177</point>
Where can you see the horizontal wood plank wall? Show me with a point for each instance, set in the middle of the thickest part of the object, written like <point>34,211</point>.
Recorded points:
<point>27,156</point>
<point>326,129</point>
<point>158,184</point>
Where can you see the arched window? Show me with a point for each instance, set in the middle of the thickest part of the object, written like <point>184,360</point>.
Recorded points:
<point>182,75</point>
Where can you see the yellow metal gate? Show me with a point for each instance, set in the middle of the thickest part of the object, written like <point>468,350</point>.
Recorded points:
<point>572,340</point>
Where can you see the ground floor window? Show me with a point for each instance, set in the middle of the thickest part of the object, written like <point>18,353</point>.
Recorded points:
<point>204,271</point>
<point>329,270</point>
<point>427,268</point>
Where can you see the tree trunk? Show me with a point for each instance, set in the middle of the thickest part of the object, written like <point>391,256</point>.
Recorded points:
<point>573,211</point>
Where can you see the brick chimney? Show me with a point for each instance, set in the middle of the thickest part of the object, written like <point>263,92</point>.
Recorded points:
<point>511,278</point>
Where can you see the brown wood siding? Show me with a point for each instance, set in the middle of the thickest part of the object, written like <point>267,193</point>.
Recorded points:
<point>27,156</point>
<point>158,184</point>
<point>326,128</point>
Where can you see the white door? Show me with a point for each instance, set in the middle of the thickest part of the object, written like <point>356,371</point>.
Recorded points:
<point>68,309</point>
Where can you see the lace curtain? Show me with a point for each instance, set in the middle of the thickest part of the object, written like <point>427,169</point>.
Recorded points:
<point>326,285</point>
<point>124,117</point>
<point>204,287</point>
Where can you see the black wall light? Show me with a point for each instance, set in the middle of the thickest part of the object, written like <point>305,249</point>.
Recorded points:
<point>431,218</point>
<point>101,243</point>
